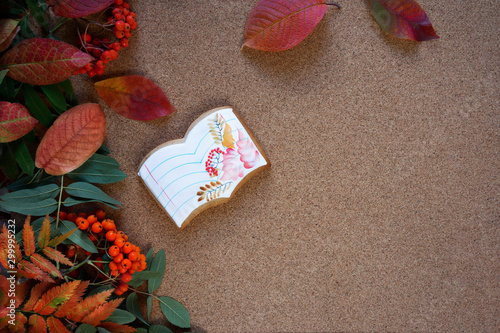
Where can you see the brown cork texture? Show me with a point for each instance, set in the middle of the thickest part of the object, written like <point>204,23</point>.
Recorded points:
<point>381,211</point>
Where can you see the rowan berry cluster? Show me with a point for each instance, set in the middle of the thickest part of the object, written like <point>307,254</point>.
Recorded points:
<point>126,258</point>
<point>210,164</point>
<point>105,50</point>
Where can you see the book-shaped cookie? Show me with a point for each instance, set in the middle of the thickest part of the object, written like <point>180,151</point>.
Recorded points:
<point>217,156</point>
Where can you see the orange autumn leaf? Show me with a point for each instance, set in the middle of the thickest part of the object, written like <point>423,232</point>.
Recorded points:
<point>37,324</point>
<point>102,312</point>
<point>134,97</point>
<point>31,271</point>
<point>56,256</point>
<point>45,265</point>
<point>36,292</point>
<point>28,238</point>
<point>88,305</point>
<point>44,236</point>
<point>71,304</point>
<point>55,297</point>
<point>56,326</point>
<point>72,139</point>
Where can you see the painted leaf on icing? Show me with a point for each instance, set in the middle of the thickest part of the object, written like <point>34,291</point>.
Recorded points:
<point>43,61</point>
<point>134,97</point>
<point>15,121</point>
<point>72,139</point>
<point>228,140</point>
<point>249,154</point>
<point>403,19</point>
<point>278,25</point>
<point>74,8</point>
<point>231,165</point>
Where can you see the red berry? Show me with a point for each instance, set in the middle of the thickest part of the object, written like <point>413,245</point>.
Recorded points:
<point>99,71</point>
<point>126,5</point>
<point>91,73</point>
<point>119,33</point>
<point>96,53</point>
<point>130,19</point>
<point>106,56</point>
<point>118,2</point>
<point>120,25</point>
<point>116,46</point>
<point>124,42</point>
<point>86,38</point>
<point>116,11</point>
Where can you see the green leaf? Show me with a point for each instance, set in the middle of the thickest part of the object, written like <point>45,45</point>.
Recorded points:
<point>88,191</point>
<point>37,10</point>
<point>37,106</point>
<point>98,169</point>
<point>120,316</point>
<point>149,305</point>
<point>103,150</point>
<point>56,97</point>
<point>175,312</point>
<point>26,182</point>
<point>158,265</point>
<point>86,328</point>
<point>103,330</point>
<point>73,201</point>
<point>138,278</point>
<point>2,74</point>
<point>78,237</point>
<point>8,90</point>
<point>66,86</point>
<point>158,329</point>
<point>8,163</point>
<point>141,330</point>
<point>133,307</point>
<point>22,156</point>
<point>32,195</point>
<point>39,208</point>
<point>149,258</point>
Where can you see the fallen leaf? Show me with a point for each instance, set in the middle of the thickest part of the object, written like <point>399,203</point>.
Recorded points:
<point>403,19</point>
<point>134,97</point>
<point>73,8</point>
<point>249,154</point>
<point>75,136</point>
<point>8,31</point>
<point>231,165</point>
<point>15,121</point>
<point>43,61</point>
<point>277,25</point>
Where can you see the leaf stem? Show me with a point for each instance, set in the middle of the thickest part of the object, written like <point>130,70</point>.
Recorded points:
<point>60,23</point>
<point>333,4</point>
<point>59,203</point>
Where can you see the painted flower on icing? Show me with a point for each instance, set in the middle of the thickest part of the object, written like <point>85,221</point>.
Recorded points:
<point>231,165</point>
<point>249,154</point>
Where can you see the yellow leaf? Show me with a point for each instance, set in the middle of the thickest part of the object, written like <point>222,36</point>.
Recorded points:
<point>228,140</point>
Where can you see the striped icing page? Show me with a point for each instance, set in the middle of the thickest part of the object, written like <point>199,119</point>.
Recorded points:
<point>217,155</point>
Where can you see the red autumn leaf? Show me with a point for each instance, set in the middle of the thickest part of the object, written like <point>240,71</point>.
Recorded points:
<point>54,297</point>
<point>403,19</point>
<point>73,8</point>
<point>29,270</point>
<point>28,237</point>
<point>21,292</point>
<point>71,140</point>
<point>55,326</point>
<point>88,304</point>
<point>37,324</point>
<point>43,61</point>
<point>36,292</point>
<point>8,31</point>
<point>102,312</point>
<point>70,305</point>
<point>45,265</point>
<point>19,322</point>
<point>15,121</point>
<point>277,25</point>
<point>4,291</point>
<point>134,97</point>
<point>56,256</point>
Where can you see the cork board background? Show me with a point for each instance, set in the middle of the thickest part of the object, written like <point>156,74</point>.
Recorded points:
<point>381,210</point>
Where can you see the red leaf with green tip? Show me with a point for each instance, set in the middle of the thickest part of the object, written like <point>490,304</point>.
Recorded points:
<point>15,121</point>
<point>55,297</point>
<point>73,8</point>
<point>43,61</point>
<point>403,19</point>
<point>277,25</point>
<point>8,31</point>
<point>134,97</point>
<point>71,140</point>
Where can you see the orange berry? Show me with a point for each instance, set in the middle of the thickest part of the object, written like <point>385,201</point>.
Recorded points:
<point>111,236</point>
<point>82,223</point>
<point>133,256</point>
<point>143,257</point>
<point>124,42</point>
<point>136,265</point>
<point>114,251</point>
<point>114,272</point>
<point>92,237</point>
<point>126,277</point>
<point>123,287</point>
<point>92,219</point>
<point>86,38</point>
<point>63,216</point>
<point>82,214</point>
<point>130,19</point>
<point>126,27</point>
<point>127,247</point>
<point>126,263</point>
<point>113,54</point>
<point>131,271</point>
<point>113,266</point>
<point>122,270</point>
<point>72,217</point>
<point>86,252</point>
<point>110,225</point>
<point>97,227</point>
<point>118,258</point>
<point>119,241</point>
<point>144,265</point>
<point>116,46</point>
<point>71,252</point>
<point>100,214</point>
<point>120,25</point>
<point>118,292</point>
<point>127,34</point>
